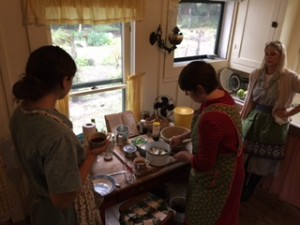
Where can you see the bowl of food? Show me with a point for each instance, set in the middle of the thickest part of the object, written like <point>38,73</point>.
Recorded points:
<point>157,153</point>
<point>168,132</point>
<point>140,143</point>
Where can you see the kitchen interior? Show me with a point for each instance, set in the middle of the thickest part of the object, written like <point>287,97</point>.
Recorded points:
<point>248,25</point>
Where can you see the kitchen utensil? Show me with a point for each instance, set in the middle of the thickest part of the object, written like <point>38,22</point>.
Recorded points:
<point>97,139</point>
<point>122,135</point>
<point>129,151</point>
<point>116,173</point>
<point>183,116</point>
<point>140,143</point>
<point>140,163</point>
<point>157,153</point>
<point>168,132</point>
<point>237,82</point>
<point>123,161</point>
<point>224,79</point>
<point>128,175</point>
<point>103,184</point>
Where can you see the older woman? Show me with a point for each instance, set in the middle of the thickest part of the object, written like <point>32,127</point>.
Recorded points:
<point>265,118</point>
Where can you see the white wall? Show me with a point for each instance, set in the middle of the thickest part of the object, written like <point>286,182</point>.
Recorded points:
<point>13,55</point>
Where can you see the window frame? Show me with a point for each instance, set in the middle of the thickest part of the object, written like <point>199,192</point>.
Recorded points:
<point>113,84</point>
<point>116,84</point>
<point>171,69</point>
<point>218,36</point>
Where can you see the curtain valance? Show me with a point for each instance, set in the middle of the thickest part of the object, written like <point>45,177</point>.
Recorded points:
<point>42,12</point>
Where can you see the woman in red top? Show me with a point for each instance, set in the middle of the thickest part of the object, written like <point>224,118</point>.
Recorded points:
<point>217,171</point>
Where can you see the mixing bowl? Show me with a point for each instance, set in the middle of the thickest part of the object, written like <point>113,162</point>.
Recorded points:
<point>168,132</point>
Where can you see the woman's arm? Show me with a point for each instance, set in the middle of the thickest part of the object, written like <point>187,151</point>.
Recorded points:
<point>65,200</point>
<point>178,139</point>
<point>284,113</point>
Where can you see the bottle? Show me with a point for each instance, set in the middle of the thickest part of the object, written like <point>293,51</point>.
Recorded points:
<point>155,130</point>
<point>108,154</point>
<point>142,127</point>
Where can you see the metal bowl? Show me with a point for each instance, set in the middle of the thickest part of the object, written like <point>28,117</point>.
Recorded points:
<point>159,158</point>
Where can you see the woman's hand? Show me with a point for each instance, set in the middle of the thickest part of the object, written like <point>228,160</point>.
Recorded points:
<point>282,113</point>
<point>184,156</point>
<point>175,140</point>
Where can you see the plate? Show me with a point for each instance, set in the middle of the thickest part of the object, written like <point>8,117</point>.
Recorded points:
<point>224,79</point>
<point>104,184</point>
<point>140,143</point>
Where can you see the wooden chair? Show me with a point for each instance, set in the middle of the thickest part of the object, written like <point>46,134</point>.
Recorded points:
<point>125,118</point>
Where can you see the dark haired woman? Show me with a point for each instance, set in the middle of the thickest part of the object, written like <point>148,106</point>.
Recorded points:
<point>265,117</point>
<point>217,169</point>
<point>50,153</point>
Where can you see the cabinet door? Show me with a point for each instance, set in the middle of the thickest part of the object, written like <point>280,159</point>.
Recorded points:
<point>254,29</point>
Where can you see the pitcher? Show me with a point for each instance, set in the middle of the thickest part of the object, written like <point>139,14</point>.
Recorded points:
<point>122,135</point>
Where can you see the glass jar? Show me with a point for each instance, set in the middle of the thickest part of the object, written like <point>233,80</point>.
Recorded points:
<point>156,131</point>
<point>143,127</point>
<point>108,154</point>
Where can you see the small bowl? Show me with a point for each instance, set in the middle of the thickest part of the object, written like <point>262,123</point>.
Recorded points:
<point>129,151</point>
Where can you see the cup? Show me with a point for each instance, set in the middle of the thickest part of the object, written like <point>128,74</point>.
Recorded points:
<point>97,139</point>
<point>140,163</point>
<point>122,135</point>
<point>128,175</point>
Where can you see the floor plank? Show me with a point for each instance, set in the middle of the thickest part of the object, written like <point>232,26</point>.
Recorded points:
<point>262,209</point>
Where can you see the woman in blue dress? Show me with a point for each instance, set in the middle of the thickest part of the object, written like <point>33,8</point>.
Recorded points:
<point>52,156</point>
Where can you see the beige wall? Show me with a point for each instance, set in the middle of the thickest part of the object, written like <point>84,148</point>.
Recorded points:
<point>16,42</point>
<point>291,34</point>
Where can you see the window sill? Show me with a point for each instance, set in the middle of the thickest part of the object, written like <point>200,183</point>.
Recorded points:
<point>96,90</point>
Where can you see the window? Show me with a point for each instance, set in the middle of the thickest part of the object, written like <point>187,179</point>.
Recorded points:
<point>98,86</point>
<point>201,24</point>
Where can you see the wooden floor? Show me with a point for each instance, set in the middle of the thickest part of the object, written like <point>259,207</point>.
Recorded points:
<point>262,209</point>
<point>266,209</point>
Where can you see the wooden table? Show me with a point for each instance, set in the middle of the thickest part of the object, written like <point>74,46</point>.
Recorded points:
<point>146,181</point>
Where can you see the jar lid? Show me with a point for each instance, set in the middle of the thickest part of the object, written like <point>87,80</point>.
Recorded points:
<point>156,123</point>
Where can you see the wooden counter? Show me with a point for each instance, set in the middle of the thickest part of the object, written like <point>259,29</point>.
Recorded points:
<point>146,181</point>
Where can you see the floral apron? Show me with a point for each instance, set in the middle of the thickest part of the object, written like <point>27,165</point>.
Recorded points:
<point>208,191</point>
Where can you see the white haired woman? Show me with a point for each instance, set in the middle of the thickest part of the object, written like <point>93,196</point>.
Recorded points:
<point>265,117</point>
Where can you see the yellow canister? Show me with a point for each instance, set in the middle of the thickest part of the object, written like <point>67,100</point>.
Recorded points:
<point>183,116</point>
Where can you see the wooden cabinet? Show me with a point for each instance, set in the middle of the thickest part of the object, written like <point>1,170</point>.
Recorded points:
<point>258,21</point>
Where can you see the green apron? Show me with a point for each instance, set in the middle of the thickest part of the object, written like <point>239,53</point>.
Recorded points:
<point>208,191</point>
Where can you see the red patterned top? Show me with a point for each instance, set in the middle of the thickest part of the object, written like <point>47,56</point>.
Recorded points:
<point>218,135</point>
